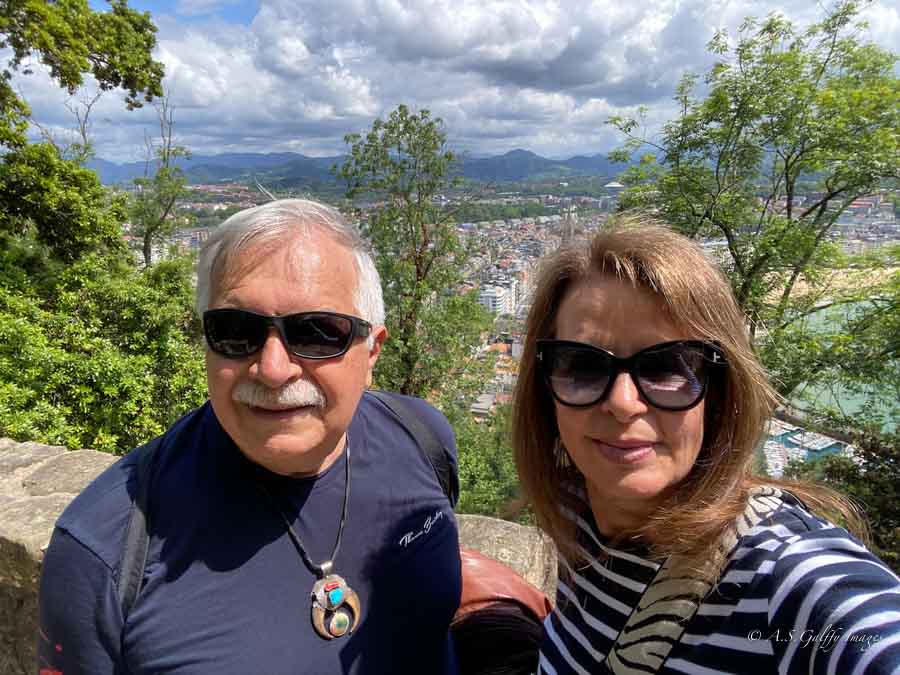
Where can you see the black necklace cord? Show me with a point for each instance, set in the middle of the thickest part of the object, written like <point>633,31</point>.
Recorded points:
<point>324,569</point>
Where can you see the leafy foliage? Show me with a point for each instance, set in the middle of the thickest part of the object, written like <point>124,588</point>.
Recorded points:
<point>93,352</point>
<point>63,203</point>
<point>72,40</point>
<point>481,211</point>
<point>152,207</point>
<point>795,126</point>
<point>487,472</point>
<point>109,362</point>
<point>846,344</point>
<point>435,327</point>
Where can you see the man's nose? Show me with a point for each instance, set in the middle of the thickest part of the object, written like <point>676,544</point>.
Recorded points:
<point>275,365</point>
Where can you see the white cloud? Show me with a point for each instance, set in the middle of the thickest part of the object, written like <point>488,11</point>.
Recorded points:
<point>538,74</point>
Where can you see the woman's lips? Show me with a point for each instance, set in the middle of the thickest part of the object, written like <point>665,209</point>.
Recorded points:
<point>625,452</point>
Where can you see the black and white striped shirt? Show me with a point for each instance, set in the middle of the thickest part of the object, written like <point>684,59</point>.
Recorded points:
<point>798,595</point>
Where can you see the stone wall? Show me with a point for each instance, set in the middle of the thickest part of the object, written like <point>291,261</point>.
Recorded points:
<point>38,481</point>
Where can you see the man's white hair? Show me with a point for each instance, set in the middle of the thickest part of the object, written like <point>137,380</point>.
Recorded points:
<point>286,219</point>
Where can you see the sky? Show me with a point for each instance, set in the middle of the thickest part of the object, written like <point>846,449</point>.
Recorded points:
<point>297,75</point>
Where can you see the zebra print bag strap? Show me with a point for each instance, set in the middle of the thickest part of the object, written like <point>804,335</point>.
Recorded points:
<point>672,598</point>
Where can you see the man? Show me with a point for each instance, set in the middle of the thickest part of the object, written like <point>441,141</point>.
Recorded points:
<point>295,527</point>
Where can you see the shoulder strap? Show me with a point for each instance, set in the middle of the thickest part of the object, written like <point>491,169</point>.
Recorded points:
<point>137,541</point>
<point>427,441</point>
<point>672,599</point>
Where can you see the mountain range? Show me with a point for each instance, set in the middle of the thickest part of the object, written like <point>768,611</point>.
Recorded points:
<point>290,169</point>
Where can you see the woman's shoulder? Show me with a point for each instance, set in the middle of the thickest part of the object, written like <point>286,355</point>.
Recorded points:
<point>804,560</point>
<point>786,532</point>
<point>816,577</point>
<point>792,551</point>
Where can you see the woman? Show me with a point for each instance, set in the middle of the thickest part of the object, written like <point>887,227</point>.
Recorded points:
<point>638,410</point>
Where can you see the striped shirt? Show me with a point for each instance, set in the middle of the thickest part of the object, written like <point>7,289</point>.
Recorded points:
<point>798,595</point>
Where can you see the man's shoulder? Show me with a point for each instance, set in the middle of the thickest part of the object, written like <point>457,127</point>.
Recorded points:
<point>98,516</point>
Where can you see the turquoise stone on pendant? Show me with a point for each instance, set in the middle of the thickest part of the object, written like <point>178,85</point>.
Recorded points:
<point>335,597</point>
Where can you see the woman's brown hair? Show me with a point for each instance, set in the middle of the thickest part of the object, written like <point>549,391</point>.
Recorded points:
<point>696,297</point>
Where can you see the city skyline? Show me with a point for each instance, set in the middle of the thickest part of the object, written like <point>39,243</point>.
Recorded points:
<point>278,75</point>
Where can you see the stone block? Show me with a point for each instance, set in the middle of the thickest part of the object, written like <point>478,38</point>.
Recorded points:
<point>28,523</point>
<point>68,473</point>
<point>15,456</point>
<point>525,549</point>
<point>8,443</point>
<point>18,630</point>
<point>25,528</point>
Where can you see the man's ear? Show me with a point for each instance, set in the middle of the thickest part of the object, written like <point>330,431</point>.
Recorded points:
<point>378,335</point>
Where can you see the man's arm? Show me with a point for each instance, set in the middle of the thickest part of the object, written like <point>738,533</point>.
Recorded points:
<point>80,618</point>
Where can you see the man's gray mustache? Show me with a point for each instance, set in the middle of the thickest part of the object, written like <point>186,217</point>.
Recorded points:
<point>293,395</point>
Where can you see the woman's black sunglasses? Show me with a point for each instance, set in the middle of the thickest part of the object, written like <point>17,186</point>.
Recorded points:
<point>237,333</point>
<point>669,376</point>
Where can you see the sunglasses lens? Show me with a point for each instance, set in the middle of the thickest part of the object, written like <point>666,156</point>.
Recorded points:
<point>578,376</point>
<point>234,333</point>
<point>318,335</point>
<point>672,377</point>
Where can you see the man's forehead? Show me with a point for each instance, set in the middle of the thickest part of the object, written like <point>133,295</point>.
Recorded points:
<point>294,259</point>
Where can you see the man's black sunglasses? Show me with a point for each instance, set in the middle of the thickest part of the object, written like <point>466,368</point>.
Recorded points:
<point>237,333</point>
<point>669,375</point>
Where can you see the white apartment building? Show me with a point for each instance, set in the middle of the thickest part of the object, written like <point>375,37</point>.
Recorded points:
<point>497,299</point>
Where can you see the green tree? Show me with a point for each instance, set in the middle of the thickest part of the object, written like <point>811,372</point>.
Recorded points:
<point>93,351</point>
<point>436,328</point>
<point>794,127</point>
<point>870,478</point>
<point>487,472</point>
<point>840,357</point>
<point>72,40</point>
<point>60,203</point>
<point>152,211</point>
<point>109,358</point>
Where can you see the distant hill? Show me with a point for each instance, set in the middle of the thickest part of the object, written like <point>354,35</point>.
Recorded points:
<point>290,169</point>
<point>221,168</point>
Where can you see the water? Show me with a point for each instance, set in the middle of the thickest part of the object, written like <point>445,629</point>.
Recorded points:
<point>850,403</point>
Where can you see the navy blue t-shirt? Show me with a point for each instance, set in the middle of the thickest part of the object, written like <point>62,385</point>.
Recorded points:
<point>225,590</point>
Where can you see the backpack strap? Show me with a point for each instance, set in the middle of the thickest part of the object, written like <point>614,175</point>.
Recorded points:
<point>137,541</point>
<point>426,440</point>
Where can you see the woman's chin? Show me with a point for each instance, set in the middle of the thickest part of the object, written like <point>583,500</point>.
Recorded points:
<point>631,488</point>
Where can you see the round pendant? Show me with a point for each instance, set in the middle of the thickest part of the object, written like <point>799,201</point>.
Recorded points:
<point>335,607</point>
